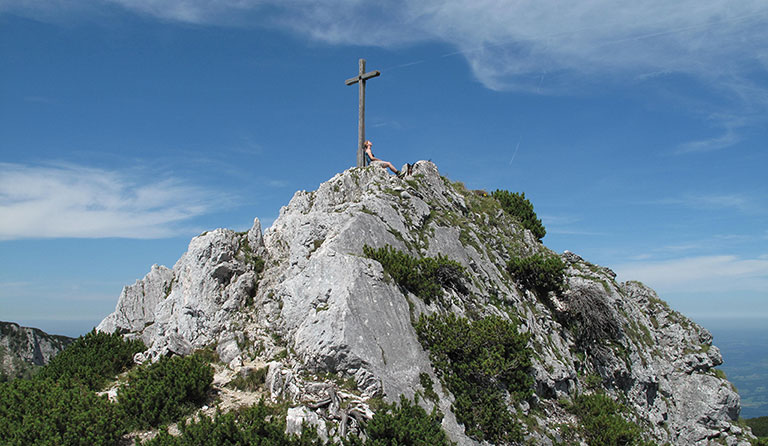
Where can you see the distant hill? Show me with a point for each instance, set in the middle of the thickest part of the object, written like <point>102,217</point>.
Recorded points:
<point>22,349</point>
<point>744,345</point>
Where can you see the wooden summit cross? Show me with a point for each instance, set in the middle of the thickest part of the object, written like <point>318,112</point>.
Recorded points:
<point>360,79</point>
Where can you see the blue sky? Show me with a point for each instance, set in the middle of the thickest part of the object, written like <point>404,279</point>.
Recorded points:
<point>639,131</point>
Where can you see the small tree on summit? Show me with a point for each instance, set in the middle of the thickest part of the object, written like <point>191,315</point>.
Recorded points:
<point>516,205</point>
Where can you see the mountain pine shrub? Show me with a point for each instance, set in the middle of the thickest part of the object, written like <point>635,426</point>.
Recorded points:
<point>44,412</point>
<point>406,424</point>
<point>258,425</point>
<point>602,421</point>
<point>164,391</point>
<point>59,406</point>
<point>92,359</point>
<point>480,362</point>
<point>540,273</point>
<point>425,277</point>
<point>516,205</point>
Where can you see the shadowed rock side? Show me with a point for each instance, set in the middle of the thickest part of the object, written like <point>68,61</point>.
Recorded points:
<point>304,298</point>
<point>24,348</point>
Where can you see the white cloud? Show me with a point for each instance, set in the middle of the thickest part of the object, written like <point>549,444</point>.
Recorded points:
<point>728,139</point>
<point>539,46</point>
<point>511,45</point>
<point>76,201</point>
<point>730,124</point>
<point>714,202</point>
<point>706,274</point>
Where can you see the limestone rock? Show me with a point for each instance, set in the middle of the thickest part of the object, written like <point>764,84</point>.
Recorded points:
<point>298,416</point>
<point>304,299</point>
<point>195,304</point>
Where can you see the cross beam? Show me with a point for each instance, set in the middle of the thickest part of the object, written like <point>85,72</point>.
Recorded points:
<point>360,79</point>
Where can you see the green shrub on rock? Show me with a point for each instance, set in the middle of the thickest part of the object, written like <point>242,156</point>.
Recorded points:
<point>516,205</point>
<point>480,362</point>
<point>602,421</point>
<point>539,273</point>
<point>405,425</point>
<point>258,425</point>
<point>164,391</point>
<point>425,277</point>
<point>92,359</point>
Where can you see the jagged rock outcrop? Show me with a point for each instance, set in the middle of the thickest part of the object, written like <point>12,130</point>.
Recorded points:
<point>305,297</point>
<point>195,304</point>
<point>24,348</point>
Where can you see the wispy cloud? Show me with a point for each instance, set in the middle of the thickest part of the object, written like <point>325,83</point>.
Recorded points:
<point>76,201</point>
<point>713,202</point>
<point>723,273</point>
<point>728,139</point>
<point>510,45</point>
<point>565,225</point>
<point>537,46</point>
<point>730,124</point>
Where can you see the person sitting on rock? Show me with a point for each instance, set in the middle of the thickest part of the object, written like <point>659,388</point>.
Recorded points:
<point>372,160</point>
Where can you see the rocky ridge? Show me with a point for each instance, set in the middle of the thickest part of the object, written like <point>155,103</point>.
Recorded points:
<point>331,326</point>
<point>24,348</point>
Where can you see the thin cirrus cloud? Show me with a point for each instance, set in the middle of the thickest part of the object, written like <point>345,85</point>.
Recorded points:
<point>536,46</point>
<point>718,273</point>
<point>715,202</point>
<point>540,46</point>
<point>513,45</point>
<point>76,201</point>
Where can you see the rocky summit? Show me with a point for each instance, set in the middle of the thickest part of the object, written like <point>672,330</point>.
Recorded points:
<point>336,331</point>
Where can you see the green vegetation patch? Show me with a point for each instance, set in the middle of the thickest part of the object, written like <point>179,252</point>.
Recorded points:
<point>165,390</point>
<point>603,423</point>
<point>93,359</point>
<point>256,425</point>
<point>759,426</point>
<point>428,386</point>
<point>250,258</point>
<point>44,412</point>
<point>59,406</point>
<point>425,277</point>
<point>516,205</point>
<point>480,362</point>
<point>406,424</point>
<point>251,381</point>
<point>540,273</point>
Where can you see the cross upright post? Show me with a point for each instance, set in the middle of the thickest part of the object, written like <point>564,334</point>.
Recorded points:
<point>360,79</point>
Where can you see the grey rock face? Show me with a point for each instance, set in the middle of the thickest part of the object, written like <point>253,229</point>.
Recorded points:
<point>23,348</point>
<point>195,304</point>
<point>137,303</point>
<point>321,307</point>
